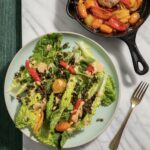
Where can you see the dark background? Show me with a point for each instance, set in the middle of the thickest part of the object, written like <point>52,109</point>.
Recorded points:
<point>10,42</point>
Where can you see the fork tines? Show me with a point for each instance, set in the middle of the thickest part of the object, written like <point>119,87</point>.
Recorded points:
<point>140,90</point>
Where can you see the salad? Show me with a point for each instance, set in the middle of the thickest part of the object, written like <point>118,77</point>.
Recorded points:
<point>59,91</point>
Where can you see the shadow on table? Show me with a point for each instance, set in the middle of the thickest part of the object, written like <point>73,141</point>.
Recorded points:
<point>127,73</point>
<point>37,146</point>
<point>64,23</point>
<point>27,142</point>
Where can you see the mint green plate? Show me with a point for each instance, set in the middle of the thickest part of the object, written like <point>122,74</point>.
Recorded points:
<point>96,128</point>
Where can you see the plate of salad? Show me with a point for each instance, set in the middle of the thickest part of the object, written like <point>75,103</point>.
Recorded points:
<point>62,90</point>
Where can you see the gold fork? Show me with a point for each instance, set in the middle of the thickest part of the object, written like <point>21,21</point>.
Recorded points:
<point>135,100</point>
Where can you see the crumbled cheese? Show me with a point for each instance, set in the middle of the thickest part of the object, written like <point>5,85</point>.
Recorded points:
<point>97,67</point>
<point>48,48</point>
<point>41,105</point>
<point>57,100</point>
<point>42,67</point>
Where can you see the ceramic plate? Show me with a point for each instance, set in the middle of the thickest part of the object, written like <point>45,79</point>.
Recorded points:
<point>96,128</point>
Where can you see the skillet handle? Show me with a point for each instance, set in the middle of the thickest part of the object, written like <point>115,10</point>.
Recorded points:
<point>70,8</point>
<point>136,55</point>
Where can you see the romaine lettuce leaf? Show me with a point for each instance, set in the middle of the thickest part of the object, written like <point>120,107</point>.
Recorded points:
<point>68,93</point>
<point>55,117</point>
<point>25,118</point>
<point>94,88</point>
<point>16,88</point>
<point>34,98</point>
<point>99,95</point>
<point>49,106</point>
<point>19,83</point>
<point>86,52</point>
<point>109,93</point>
<point>64,137</point>
<point>44,136</point>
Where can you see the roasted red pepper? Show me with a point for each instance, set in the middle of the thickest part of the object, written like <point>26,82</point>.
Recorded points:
<point>71,70</point>
<point>116,24</point>
<point>126,2</point>
<point>63,64</point>
<point>76,106</point>
<point>101,13</point>
<point>68,67</point>
<point>32,71</point>
<point>75,109</point>
<point>90,68</point>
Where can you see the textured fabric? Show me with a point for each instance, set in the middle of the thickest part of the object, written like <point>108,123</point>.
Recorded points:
<point>10,42</point>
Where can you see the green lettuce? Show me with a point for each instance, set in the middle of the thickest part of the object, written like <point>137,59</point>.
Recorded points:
<point>86,52</point>
<point>49,106</point>
<point>16,88</point>
<point>19,83</point>
<point>65,101</point>
<point>99,95</point>
<point>44,136</point>
<point>55,117</point>
<point>94,88</point>
<point>25,118</point>
<point>34,98</point>
<point>109,93</point>
<point>41,54</point>
<point>64,137</point>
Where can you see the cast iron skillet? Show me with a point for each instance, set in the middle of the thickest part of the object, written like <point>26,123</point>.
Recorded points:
<point>128,36</point>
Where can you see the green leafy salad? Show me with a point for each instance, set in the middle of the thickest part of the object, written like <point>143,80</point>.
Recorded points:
<point>59,91</point>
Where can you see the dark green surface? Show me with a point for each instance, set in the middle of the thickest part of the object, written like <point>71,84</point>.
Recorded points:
<point>10,42</point>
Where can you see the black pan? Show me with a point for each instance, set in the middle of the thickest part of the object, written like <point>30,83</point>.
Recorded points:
<point>128,36</point>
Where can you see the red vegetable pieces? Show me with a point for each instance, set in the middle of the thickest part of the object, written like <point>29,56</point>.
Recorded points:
<point>116,24</point>
<point>77,110</point>
<point>126,2</point>
<point>90,69</point>
<point>68,67</point>
<point>101,13</point>
<point>32,71</point>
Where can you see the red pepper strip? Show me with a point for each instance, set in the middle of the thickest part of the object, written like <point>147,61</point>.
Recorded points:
<point>32,71</point>
<point>101,13</point>
<point>68,67</point>
<point>71,70</point>
<point>63,64</point>
<point>126,2</point>
<point>90,68</point>
<point>76,106</point>
<point>116,24</point>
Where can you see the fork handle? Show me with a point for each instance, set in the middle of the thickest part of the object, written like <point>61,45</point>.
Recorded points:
<point>116,140</point>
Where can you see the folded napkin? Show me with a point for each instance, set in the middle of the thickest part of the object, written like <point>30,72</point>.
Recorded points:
<point>10,42</point>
